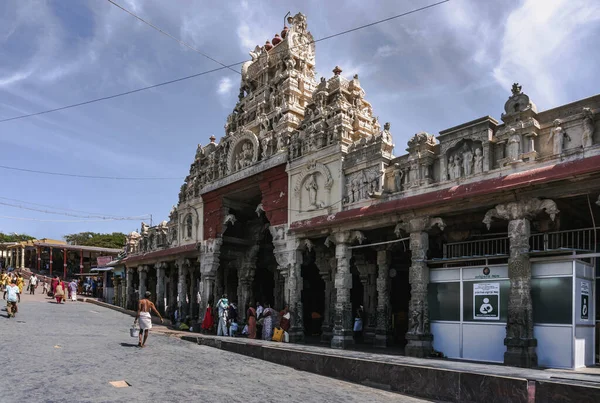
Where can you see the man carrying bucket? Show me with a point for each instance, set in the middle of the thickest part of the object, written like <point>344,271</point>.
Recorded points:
<point>144,318</point>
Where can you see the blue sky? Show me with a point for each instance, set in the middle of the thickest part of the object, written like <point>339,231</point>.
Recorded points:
<point>425,72</point>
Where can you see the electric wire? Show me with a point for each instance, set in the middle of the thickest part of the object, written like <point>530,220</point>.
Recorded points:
<point>44,220</point>
<point>62,208</point>
<point>215,69</point>
<point>74,215</point>
<point>162,31</point>
<point>89,176</point>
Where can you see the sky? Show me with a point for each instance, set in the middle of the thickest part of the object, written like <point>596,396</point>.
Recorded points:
<point>424,72</point>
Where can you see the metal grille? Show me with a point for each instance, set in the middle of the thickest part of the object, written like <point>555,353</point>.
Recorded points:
<point>573,240</point>
<point>476,248</point>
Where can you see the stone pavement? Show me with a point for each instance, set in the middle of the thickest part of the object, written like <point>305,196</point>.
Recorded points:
<point>71,352</point>
<point>430,378</point>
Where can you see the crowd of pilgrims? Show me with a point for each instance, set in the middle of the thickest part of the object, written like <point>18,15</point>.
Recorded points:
<point>262,321</point>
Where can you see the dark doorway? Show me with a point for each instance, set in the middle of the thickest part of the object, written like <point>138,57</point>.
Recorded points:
<point>313,297</point>
<point>399,298</point>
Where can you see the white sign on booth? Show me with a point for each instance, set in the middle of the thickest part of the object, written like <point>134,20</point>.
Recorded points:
<point>486,301</point>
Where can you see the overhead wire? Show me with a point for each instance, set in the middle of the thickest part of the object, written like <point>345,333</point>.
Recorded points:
<point>111,218</point>
<point>215,69</point>
<point>181,42</point>
<point>44,220</point>
<point>88,176</point>
<point>61,208</point>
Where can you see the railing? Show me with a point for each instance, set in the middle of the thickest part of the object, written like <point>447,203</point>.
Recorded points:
<point>477,248</point>
<point>573,240</point>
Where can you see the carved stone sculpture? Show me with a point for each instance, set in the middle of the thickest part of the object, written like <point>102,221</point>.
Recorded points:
<point>478,163</point>
<point>398,175</point>
<point>312,187</point>
<point>457,167</point>
<point>557,137</point>
<point>467,157</point>
<point>588,128</point>
<point>513,148</point>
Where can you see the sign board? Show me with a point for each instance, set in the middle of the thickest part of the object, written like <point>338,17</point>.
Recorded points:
<point>486,301</point>
<point>585,300</point>
<point>102,261</point>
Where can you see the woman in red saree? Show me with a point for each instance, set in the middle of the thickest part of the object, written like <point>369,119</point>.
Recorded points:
<point>251,314</point>
<point>207,322</point>
<point>284,319</point>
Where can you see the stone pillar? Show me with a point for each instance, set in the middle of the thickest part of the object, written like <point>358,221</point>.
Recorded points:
<point>192,292</point>
<point>22,257</point>
<point>520,342</point>
<point>130,293</point>
<point>160,286</point>
<point>382,332</point>
<point>142,272</point>
<point>419,337</point>
<point>324,262</point>
<point>288,254</point>
<point>245,297</point>
<point>294,291</point>
<point>343,322</point>
<point>182,269</point>
<point>209,265</point>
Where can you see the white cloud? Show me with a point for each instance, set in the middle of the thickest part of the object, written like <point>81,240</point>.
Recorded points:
<point>537,37</point>
<point>225,86</point>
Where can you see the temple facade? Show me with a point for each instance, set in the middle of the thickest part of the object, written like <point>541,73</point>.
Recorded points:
<point>479,243</point>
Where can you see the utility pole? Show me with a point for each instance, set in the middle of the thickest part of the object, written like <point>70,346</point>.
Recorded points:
<point>150,219</point>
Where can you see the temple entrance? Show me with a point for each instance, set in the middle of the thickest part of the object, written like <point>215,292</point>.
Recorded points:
<point>399,298</point>
<point>263,287</point>
<point>313,297</point>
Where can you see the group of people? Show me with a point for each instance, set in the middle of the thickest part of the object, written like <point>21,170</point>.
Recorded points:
<point>260,320</point>
<point>62,290</point>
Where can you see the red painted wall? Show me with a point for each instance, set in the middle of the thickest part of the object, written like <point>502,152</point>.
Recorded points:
<point>273,185</point>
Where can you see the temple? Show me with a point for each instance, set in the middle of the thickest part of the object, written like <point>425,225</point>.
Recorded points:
<point>479,243</point>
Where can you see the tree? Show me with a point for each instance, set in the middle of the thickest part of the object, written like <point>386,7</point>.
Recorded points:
<point>116,240</point>
<point>14,237</point>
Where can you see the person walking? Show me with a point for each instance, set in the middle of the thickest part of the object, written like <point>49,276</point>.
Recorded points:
<point>45,287</point>
<point>73,290</point>
<point>59,293</point>
<point>144,318</point>
<point>33,282</point>
<point>232,317</point>
<point>54,283</point>
<point>20,283</point>
<point>14,295</point>
<point>222,306</point>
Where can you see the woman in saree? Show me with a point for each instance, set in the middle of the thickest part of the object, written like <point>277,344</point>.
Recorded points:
<point>207,322</point>
<point>267,332</point>
<point>284,318</point>
<point>59,293</point>
<point>251,315</point>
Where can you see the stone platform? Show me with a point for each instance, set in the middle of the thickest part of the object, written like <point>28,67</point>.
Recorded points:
<point>440,380</point>
<point>436,379</point>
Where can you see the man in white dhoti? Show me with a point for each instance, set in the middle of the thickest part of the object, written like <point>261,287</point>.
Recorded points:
<point>144,318</point>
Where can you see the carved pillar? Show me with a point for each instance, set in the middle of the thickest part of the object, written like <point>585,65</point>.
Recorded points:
<point>294,292</point>
<point>324,262</point>
<point>343,319</point>
<point>382,332</point>
<point>520,342</point>
<point>288,254</point>
<point>143,273</point>
<point>130,296</point>
<point>160,286</point>
<point>209,265</point>
<point>192,292</point>
<point>245,297</point>
<point>182,269</point>
<point>419,337</point>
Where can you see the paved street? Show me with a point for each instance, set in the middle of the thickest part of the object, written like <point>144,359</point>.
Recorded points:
<point>72,351</point>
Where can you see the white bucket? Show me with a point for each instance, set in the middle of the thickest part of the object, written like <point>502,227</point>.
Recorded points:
<point>134,331</point>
